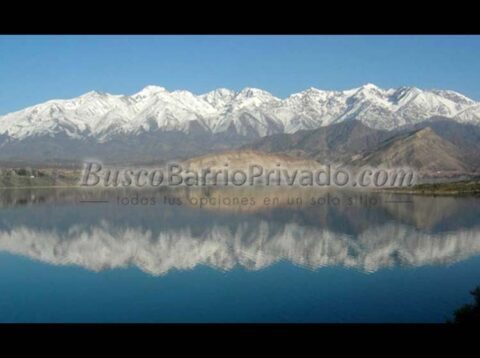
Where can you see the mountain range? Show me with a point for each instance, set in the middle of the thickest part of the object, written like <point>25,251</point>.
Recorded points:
<point>155,124</point>
<point>247,112</point>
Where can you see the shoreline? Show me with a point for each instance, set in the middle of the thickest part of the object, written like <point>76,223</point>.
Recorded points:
<point>460,188</point>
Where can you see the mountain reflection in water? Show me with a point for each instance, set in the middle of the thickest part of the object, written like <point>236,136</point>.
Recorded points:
<point>168,230</point>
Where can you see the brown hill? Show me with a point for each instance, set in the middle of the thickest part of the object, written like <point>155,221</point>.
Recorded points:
<point>241,159</point>
<point>422,150</point>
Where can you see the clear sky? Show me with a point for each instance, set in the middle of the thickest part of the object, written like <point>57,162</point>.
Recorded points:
<point>34,69</point>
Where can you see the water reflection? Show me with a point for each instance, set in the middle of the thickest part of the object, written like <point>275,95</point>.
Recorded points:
<point>365,231</point>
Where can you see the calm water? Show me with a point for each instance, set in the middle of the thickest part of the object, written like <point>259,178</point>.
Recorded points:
<point>241,256</point>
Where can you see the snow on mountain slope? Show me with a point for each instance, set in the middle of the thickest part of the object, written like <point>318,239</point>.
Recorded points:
<point>90,113</point>
<point>219,98</point>
<point>469,115</point>
<point>248,112</point>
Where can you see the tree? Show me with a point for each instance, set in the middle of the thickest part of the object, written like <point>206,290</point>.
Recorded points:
<point>469,313</point>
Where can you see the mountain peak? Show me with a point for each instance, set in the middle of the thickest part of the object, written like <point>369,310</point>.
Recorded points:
<point>219,97</point>
<point>219,93</point>
<point>223,91</point>
<point>149,91</point>
<point>369,86</point>
<point>367,90</point>
<point>253,92</point>
<point>313,90</point>
<point>424,132</point>
<point>422,150</point>
<point>92,94</point>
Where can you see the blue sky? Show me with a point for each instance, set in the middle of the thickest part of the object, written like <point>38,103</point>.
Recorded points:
<point>38,68</point>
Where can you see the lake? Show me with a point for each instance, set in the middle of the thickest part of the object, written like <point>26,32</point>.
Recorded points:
<point>235,255</point>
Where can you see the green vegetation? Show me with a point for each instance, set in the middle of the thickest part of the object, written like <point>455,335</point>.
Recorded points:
<point>25,177</point>
<point>466,187</point>
<point>31,177</point>
<point>469,313</point>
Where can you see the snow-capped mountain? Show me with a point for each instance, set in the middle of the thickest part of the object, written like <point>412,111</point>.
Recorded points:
<point>249,112</point>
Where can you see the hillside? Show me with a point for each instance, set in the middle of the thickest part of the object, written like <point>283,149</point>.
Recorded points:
<point>334,143</point>
<point>422,150</point>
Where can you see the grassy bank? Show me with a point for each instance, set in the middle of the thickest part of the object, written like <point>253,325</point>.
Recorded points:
<point>55,177</point>
<point>31,178</point>
<point>465,187</point>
